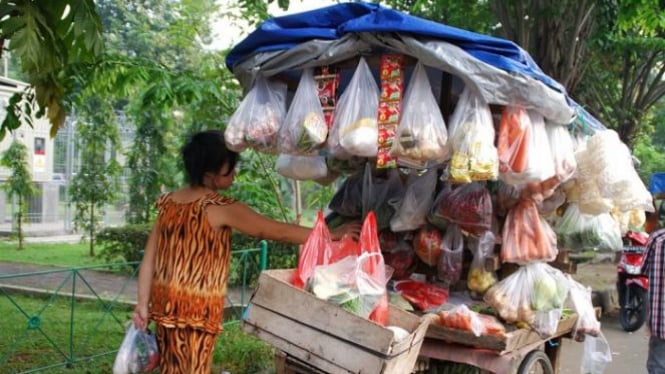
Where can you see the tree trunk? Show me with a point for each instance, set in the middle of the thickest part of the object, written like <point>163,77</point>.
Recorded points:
<point>92,230</point>
<point>19,222</point>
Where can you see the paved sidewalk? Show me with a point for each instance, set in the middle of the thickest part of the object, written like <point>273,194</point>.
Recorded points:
<point>83,283</point>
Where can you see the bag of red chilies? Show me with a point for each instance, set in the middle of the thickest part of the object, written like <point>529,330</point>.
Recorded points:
<point>319,249</point>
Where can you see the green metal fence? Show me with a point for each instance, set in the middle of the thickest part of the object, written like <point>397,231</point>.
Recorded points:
<point>68,319</point>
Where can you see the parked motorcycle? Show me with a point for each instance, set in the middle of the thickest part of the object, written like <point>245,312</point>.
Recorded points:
<point>632,285</point>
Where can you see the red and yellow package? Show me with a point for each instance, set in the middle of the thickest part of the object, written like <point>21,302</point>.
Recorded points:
<point>390,102</point>
<point>327,83</point>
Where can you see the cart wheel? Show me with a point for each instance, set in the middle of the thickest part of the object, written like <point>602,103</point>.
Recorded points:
<point>536,362</point>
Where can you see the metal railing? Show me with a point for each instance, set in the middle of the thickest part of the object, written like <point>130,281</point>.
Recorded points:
<point>59,319</point>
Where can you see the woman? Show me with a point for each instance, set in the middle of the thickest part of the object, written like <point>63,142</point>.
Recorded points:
<point>182,278</point>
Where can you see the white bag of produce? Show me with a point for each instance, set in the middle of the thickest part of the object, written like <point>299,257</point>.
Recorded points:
<point>534,294</point>
<point>301,167</point>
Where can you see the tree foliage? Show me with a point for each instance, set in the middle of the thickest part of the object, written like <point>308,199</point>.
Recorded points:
<point>97,182</point>
<point>48,37</point>
<point>19,184</point>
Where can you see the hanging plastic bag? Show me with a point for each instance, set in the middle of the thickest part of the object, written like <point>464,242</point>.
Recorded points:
<point>378,192</point>
<point>471,139</point>
<point>258,118</point>
<point>304,129</point>
<point>480,279</point>
<point>347,201</point>
<point>507,196</point>
<point>577,231</point>
<point>301,167</point>
<point>563,154</point>
<point>597,354</point>
<point>399,256</point>
<point>534,294</point>
<point>138,352</point>
<point>421,136</point>
<point>470,206</point>
<point>434,216</point>
<point>355,131</point>
<point>316,251</point>
<point>527,237</point>
<point>428,244</point>
<point>416,204</point>
<point>449,266</point>
<point>580,298</point>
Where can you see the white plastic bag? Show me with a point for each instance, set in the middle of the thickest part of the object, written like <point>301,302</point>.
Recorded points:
<point>138,352</point>
<point>355,130</point>
<point>304,129</point>
<point>417,201</point>
<point>597,354</point>
<point>301,167</point>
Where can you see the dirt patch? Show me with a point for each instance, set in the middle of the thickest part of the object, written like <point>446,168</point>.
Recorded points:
<point>599,276</point>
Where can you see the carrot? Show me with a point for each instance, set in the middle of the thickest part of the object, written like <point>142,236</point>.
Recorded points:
<point>513,142</point>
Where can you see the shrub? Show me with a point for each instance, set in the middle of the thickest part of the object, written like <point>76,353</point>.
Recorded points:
<point>125,243</point>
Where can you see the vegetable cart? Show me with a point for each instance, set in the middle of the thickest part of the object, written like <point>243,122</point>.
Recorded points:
<point>478,105</point>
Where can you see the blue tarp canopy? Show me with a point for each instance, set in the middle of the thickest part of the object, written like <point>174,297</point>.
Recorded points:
<point>498,70</point>
<point>335,21</point>
<point>657,183</point>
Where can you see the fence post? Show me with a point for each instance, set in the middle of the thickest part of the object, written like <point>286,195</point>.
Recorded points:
<point>264,255</point>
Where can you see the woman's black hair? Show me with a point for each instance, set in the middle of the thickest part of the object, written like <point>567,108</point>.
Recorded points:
<point>206,152</point>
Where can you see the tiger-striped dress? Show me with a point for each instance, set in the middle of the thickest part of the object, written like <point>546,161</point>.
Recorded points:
<point>189,283</point>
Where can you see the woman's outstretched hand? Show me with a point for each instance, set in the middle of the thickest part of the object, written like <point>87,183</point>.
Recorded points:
<point>352,229</point>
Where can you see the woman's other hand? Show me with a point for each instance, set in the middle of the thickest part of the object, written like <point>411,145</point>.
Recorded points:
<point>141,317</point>
<point>352,229</point>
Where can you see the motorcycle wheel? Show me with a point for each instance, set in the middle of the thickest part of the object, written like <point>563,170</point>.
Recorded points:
<point>634,311</point>
<point>536,362</point>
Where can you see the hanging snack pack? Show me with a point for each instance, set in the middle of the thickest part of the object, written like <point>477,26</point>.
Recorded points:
<point>421,137</point>
<point>304,128</point>
<point>390,107</point>
<point>471,138</point>
<point>258,118</point>
<point>355,129</point>
<point>327,83</point>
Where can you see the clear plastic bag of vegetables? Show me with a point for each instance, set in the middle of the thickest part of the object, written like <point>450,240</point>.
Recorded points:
<point>449,266</point>
<point>355,130</point>
<point>304,129</point>
<point>471,140</point>
<point>523,147</point>
<point>577,231</point>
<point>421,135</point>
<point>480,278</point>
<point>470,206</point>
<point>412,210</point>
<point>460,317</point>
<point>526,236</point>
<point>258,118</point>
<point>534,294</point>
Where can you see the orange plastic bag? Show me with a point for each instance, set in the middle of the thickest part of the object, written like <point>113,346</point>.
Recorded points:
<point>317,250</point>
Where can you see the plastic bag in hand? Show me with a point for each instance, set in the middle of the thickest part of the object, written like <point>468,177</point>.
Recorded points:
<point>421,136</point>
<point>355,130</point>
<point>316,251</point>
<point>258,118</point>
<point>138,352</point>
<point>304,128</point>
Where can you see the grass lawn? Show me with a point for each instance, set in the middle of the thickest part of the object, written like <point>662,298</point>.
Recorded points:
<point>57,254</point>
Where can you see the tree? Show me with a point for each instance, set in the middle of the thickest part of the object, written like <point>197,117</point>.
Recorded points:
<point>48,37</point>
<point>96,183</point>
<point>19,184</point>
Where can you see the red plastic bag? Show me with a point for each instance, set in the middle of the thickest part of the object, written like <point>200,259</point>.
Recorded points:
<point>423,295</point>
<point>347,246</point>
<point>317,250</point>
<point>374,266</point>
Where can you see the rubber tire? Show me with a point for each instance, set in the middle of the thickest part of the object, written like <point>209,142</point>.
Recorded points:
<point>639,293</point>
<point>534,358</point>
